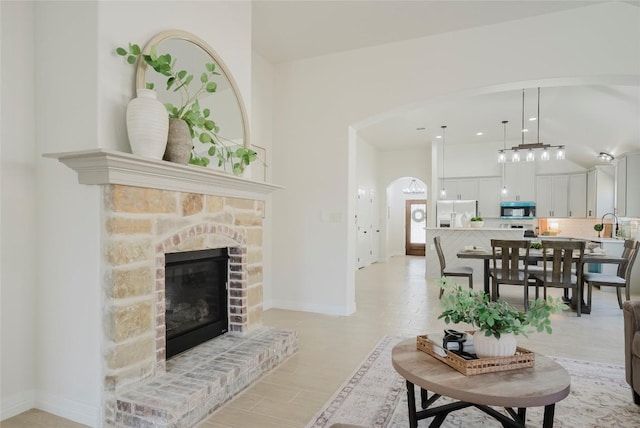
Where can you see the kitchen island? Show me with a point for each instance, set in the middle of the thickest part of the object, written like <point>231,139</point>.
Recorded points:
<point>456,238</point>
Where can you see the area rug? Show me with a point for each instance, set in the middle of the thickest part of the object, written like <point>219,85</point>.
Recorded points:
<point>375,397</point>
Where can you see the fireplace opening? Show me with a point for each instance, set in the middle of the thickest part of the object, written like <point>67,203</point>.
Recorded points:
<point>196,298</point>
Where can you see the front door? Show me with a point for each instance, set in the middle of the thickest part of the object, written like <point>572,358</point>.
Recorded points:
<point>415,226</point>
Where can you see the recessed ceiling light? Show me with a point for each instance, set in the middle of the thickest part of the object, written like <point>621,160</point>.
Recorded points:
<point>438,136</point>
<point>479,133</point>
<point>533,119</point>
<point>525,130</point>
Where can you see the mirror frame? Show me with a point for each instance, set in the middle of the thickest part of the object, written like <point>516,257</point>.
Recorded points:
<point>142,67</point>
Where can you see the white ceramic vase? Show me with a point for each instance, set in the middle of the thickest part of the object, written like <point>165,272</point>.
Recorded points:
<point>476,223</point>
<point>489,346</point>
<point>147,125</point>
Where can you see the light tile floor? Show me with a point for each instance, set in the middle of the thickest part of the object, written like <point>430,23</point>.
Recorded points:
<point>392,299</point>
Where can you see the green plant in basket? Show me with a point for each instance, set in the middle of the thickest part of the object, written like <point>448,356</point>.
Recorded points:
<point>476,219</point>
<point>462,304</point>
<point>202,127</point>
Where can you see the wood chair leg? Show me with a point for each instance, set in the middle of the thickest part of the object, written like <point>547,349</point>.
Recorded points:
<point>441,291</point>
<point>589,291</point>
<point>579,300</point>
<point>627,291</point>
<point>471,282</point>
<point>619,293</point>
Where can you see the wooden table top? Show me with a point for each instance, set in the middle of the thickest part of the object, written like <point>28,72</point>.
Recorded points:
<point>545,383</point>
<point>536,255</point>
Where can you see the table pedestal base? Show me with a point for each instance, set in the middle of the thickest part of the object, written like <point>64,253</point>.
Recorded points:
<point>439,413</point>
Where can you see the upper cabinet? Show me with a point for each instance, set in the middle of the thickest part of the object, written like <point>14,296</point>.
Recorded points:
<point>520,181</point>
<point>578,195</point>
<point>628,174</point>
<point>600,191</point>
<point>461,188</point>
<point>489,197</point>
<point>552,196</point>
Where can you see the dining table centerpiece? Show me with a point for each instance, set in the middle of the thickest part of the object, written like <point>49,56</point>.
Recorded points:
<point>497,322</point>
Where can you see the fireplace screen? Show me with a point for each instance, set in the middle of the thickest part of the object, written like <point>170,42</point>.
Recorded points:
<point>195,297</point>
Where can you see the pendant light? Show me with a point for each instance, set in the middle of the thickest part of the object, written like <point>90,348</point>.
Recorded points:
<point>527,151</point>
<point>504,190</point>
<point>443,191</point>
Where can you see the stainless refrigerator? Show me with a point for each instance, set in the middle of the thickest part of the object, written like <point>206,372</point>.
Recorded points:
<point>455,213</point>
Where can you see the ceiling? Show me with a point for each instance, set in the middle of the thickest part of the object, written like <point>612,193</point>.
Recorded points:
<point>588,119</point>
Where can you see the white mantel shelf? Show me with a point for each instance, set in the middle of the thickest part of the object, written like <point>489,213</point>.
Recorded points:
<point>100,166</point>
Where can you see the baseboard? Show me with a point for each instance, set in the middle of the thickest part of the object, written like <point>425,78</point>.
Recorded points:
<point>69,409</point>
<point>306,307</point>
<point>16,404</point>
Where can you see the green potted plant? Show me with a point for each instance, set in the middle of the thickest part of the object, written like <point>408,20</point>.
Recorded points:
<point>598,227</point>
<point>200,124</point>
<point>476,222</point>
<point>497,322</point>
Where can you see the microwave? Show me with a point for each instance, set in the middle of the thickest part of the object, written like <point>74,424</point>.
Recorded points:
<point>517,210</point>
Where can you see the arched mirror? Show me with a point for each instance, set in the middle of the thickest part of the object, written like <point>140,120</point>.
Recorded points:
<point>224,104</point>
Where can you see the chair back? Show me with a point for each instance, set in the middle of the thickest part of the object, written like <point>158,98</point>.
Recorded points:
<point>558,258</point>
<point>443,263</point>
<point>509,253</point>
<point>629,253</point>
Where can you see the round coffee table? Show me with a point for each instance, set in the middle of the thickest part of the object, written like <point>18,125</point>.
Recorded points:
<point>544,384</point>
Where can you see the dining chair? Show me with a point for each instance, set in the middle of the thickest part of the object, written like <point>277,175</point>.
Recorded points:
<point>558,261</point>
<point>506,267</point>
<point>459,271</point>
<point>621,280</point>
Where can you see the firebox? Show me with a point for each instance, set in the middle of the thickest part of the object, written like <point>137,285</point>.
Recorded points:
<point>195,297</point>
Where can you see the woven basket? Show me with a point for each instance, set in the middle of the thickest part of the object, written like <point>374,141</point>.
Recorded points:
<point>523,358</point>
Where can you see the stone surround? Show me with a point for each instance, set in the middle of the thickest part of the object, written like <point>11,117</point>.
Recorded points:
<point>140,226</point>
<point>152,207</point>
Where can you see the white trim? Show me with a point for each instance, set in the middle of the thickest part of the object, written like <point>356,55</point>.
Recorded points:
<point>101,166</point>
<point>17,403</point>
<point>306,307</point>
<point>69,409</point>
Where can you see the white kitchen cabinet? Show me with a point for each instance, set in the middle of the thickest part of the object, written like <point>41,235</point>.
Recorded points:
<point>520,181</point>
<point>628,176</point>
<point>600,191</point>
<point>461,188</point>
<point>552,196</point>
<point>577,195</point>
<point>489,197</point>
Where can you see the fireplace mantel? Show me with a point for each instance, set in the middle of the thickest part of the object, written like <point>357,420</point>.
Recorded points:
<point>100,166</point>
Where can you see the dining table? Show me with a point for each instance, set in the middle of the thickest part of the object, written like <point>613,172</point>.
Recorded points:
<point>535,255</point>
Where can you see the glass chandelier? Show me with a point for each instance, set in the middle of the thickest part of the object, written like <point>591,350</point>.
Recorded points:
<point>413,189</point>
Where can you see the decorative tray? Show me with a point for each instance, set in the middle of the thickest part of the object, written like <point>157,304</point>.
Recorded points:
<point>522,359</point>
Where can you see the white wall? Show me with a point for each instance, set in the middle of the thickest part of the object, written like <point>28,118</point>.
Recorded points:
<point>17,211</point>
<point>261,135</point>
<point>68,228</point>
<point>319,98</point>
<point>82,89</point>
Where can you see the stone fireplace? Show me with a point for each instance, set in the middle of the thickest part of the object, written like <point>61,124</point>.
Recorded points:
<point>150,209</point>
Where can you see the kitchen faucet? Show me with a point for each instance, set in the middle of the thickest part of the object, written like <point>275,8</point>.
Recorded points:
<point>614,216</point>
